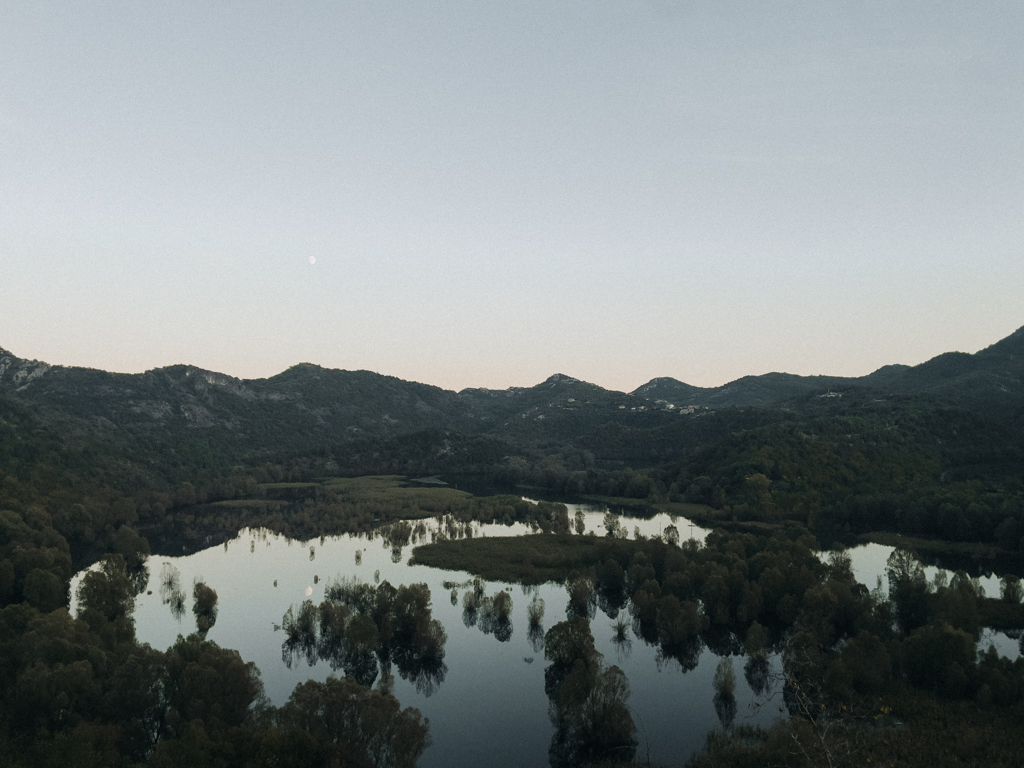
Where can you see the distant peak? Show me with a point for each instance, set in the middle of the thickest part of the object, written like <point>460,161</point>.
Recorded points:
<point>559,378</point>
<point>659,381</point>
<point>303,368</point>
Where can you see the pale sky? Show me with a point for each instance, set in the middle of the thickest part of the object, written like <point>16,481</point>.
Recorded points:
<point>497,191</point>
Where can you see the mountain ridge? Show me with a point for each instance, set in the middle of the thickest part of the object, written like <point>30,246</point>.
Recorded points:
<point>328,405</point>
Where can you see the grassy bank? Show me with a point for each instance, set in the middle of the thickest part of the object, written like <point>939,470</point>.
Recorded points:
<point>524,559</point>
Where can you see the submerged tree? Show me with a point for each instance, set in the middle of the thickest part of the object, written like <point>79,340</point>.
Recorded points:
<point>582,598</point>
<point>363,629</point>
<point>535,611</point>
<point>495,615</point>
<point>587,701</point>
<point>170,581</point>
<point>579,523</point>
<point>204,605</point>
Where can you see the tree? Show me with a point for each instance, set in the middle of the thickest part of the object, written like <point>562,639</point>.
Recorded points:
<point>1010,589</point>
<point>724,681</point>
<point>106,600</point>
<point>204,606</point>
<point>206,682</point>
<point>579,522</point>
<point>587,702</point>
<point>757,640</point>
<point>908,588</point>
<point>352,719</point>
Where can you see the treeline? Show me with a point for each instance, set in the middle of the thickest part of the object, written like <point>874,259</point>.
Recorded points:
<point>347,505</point>
<point>930,472</point>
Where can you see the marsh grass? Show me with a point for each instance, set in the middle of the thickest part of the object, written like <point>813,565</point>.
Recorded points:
<point>525,559</point>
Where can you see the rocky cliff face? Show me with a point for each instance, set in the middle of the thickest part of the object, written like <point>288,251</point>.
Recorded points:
<point>16,374</point>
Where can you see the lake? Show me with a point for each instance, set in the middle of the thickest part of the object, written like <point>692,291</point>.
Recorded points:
<point>490,708</point>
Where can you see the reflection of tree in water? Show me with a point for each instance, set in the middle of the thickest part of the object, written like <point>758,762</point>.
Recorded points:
<point>621,640</point>
<point>300,630</point>
<point>171,592</point>
<point>724,684</point>
<point>170,582</point>
<point>491,615</point>
<point>587,702</point>
<point>725,708</point>
<point>177,602</point>
<point>396,536</point>
<point>361,667</point>
<point>204,605</point>
<point>609,605</point>
<point>535,636</point>
<point>582,596</point>
<point>471,603</point>
<point>535,619</point>
<point>757,673</point>
<point>426,673</point>
<point>139,577</point>
<point>362,630</point>
<point>611,588</point>
<point>686,654</point>
<point>722,642</point>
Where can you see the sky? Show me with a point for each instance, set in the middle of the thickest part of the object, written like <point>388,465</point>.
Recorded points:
<point>481,194</point>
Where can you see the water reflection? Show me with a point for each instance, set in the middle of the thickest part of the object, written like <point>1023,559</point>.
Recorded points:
<point>587,701</point>
<point>535,637</point>
<point>491,615</point>
<point>621,639</point>
<point>582,596</point>
<point>204,606</point>
<point>725,708</point>
<point>362,630</point>
<point>170,590</point>
<point>686,654</point>
<point>170,581</point>
<point>724,684</point>
<point>250,579</point>
<point>138,577</point>
<point>756,672</point>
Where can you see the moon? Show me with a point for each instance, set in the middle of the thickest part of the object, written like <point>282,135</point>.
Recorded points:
<point>312,259</point>
<point>309,591</point>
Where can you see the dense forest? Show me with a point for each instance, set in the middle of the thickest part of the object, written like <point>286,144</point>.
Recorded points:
<point>100,469</point>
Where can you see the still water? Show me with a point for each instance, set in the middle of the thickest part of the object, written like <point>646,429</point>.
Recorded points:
<point>490,707</point>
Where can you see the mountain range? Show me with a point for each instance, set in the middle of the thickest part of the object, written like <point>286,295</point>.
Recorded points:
<point>308,405</point>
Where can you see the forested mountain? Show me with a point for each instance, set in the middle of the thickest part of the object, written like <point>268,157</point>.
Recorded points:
<point>820,441</point>
<point>990,381</point>
<point>767,389</point>
<point>308,406</point>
